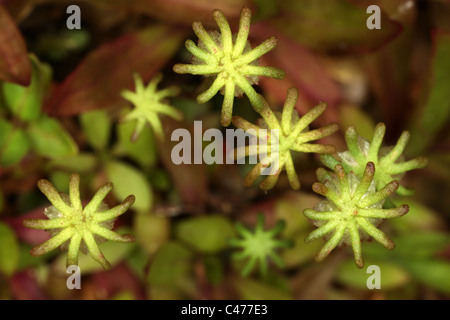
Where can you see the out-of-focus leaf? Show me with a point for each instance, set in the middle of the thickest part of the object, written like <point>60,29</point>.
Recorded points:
<point>143,150</point>
<point>81,162</point>
<point>60,180</point>
<point>302,67</point>
<point>266,9</point>
<point>15,65</point>
<point>190,180</point>
<point>24,286</point>
<point>301,252</point>
<point>412,246</point>
<point>181,11</point>
<point>97,128</point>
<point>389,70</point>
<point>9,254</point>
<point>353,116</point>
<point>14,143</point>
<point>105,72</point>
<point>250,289</point>
<point>26,260</point>
<point>431,272</point>
<point>151,231</point>
<point>205,234</point>
<point>421,245</point>
<point>2,201</point>
<point>26,102</point>
<point>391,275</point>
<point>27,235</point>
<point>333,25</point>
<point>118,279</point>
<point>115,252</point>
<point>171,272</point>
<point>290,209</point>
<point>49,138</point>
<point>124,295</point>
<point>129,181</point>
<point>419,218</point>
<point>433,112</point>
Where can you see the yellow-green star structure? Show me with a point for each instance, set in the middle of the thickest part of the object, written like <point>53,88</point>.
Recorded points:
<point>352,211</point>
<point>148,103</point>
<point>278,137</point>
<point>260,246</point>
<point>231,60</point>
<point>73,227</point>
<point>388,160</point>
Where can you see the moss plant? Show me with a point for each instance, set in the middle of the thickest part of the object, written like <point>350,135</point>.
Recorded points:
<point>292,134</point>
<point>231,60</point>
<point>148,102</point>
<point>352,211</point>
<point>388,160</point>
<point>259,246</point>
<point>73,227</point>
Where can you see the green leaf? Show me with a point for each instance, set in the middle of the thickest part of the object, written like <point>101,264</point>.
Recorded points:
<point>143,150</point>
<point>434,110</point>
<point>26,102</point>
<point>151,231</point>
<point>9,253</point>
<point>412,246</point>
<point>420,218</point>
<point>434,273</point>
<point>301,252</point>
<point>249,289</point>
<point>171,269</point>
<point>391,275</point>
<point>82,162</point>
<point>97,127</point>
<point>14,143</point>
<point>205,234</point>
<point>354,116</point>
<point>129,181</point>
<point>49,138</point>
<point>288,208</point>
<point>338,25</point>
<point>421,245</point>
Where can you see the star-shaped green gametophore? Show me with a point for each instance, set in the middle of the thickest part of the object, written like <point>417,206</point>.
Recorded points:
<point>73,227</point>
<point>259,246</point>
<point>352,211</point>
<point>148,103</point>
<point>281,136</point>
<point>231,59</point>
<point>388,160</point>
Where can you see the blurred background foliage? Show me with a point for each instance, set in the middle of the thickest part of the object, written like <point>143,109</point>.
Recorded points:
<point>61,111</point>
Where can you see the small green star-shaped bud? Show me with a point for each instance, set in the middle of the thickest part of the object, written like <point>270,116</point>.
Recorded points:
<point>388,160</point>
<point>73,227</point>
<point>352,211</point>
<point>259,246</point>
<point>280,137</point>
<point>231,59</point>
<point>148,102</point>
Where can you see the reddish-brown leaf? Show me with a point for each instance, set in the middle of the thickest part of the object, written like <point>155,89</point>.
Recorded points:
<point>190,180</point>
<point>24,286</point>
<point>303,69</point>
<point>104,73</point>
<point>15,65</point>
<point>27,235</point>
<point>183,12</point>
